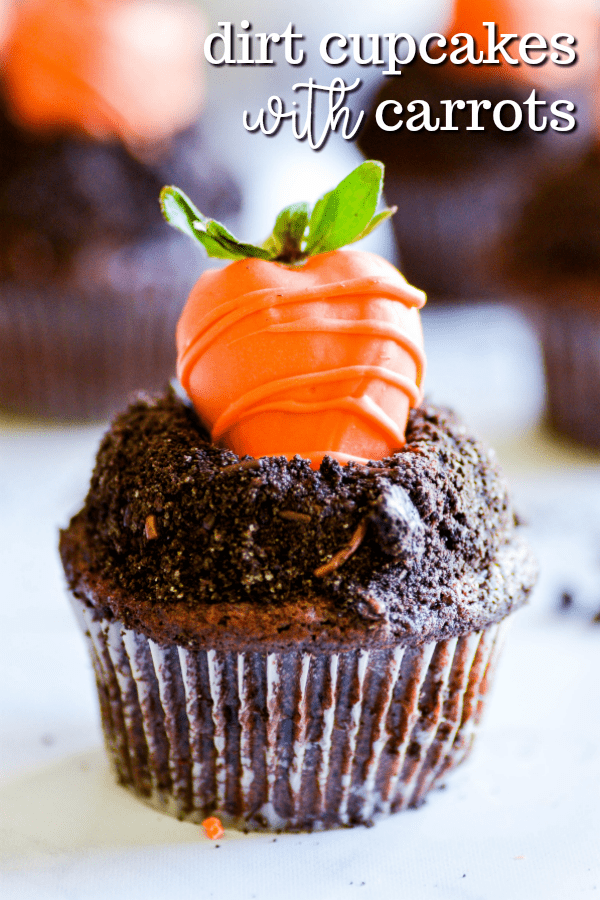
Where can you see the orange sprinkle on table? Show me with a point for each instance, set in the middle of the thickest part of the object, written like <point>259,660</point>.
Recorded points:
<point>213,828</point>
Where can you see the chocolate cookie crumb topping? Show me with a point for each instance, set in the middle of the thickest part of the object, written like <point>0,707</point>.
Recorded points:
<point>73,191</point>
<point>338,559</point>
<point>423,542</point>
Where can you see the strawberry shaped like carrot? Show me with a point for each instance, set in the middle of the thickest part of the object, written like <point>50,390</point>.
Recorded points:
<point>300,347</point>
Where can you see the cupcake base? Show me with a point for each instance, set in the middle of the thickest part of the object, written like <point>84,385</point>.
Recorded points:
<point>570,339</point>
<point>78,347</point>
<point>286,740</point>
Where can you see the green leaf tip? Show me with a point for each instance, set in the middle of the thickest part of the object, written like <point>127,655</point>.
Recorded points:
<point>341,216</point>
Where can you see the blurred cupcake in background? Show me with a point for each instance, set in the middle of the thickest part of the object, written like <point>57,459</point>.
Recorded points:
<point>459,190</point>
<point>5,13</point>
<point>99,108</point>
<point>553,261</point>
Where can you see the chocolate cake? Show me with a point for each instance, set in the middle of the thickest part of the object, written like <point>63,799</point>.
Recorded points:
<point>100,105</point>
<point>73,190</point>
<point>289,647</point>
<point>458,190</point>
<point>552,257</point>
<point>91,285</point>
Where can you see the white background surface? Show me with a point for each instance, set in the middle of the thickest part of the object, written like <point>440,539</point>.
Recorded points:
<point>520,820</point>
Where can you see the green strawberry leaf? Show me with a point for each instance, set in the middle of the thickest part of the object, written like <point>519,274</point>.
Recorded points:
<point>341,216</point>
<point>375,221</point>
<point>236,249</point>
<point>180,212</point>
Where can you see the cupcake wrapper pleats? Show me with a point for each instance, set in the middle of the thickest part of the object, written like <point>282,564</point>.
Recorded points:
<point>287,739</point>
<point>81,349</point>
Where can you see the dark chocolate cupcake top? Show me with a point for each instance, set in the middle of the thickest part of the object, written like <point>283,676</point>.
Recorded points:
<point>187,542</point>
<point>554,249</point>
<point>442,152</point>
<point>59,193</point>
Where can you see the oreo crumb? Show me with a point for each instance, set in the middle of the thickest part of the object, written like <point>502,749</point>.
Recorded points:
<point>434,548</point>
<point>566,600</point>
<point>397,523</point>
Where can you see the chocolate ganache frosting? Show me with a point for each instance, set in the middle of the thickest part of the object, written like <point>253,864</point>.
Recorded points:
<point>188,542</point>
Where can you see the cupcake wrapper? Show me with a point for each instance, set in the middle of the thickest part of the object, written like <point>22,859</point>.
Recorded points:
<point>286,740</point>
<point>80,349</point>
<point>570,340</point>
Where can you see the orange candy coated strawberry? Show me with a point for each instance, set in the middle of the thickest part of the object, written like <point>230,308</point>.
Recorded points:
<point>323,358</point>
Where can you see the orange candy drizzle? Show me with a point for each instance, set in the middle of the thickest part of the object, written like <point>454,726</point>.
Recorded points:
<point>213,828</point>
<point>323,359</point>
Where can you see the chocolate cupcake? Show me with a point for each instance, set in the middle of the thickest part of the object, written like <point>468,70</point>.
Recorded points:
<point>553,261</point>
<point>91,286</point>
<point>294,641</point>
<point>460,189</point>
<point>284,647</point>
<point>457,190</point>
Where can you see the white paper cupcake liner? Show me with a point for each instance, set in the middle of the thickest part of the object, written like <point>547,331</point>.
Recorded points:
<point>286,740</point>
